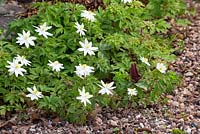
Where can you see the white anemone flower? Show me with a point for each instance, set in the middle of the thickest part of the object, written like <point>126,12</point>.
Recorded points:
<point>145,60</point>
<point>34,93</point>
<point>42,30</point>
<point>83,70</point>
<point>127,1</point>
<point>106,88</point>
<point>89,15</point>
<point>15,68</point>
<point>161,67</point>
<point>84,96</point>
<point>80,28</point>
<point>56,65</point>
<point>87,48</point>
<point>22,60</point>
<point>26,39</point>
<point>132,91</point>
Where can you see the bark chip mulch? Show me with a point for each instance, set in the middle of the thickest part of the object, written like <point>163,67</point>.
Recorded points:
<point>181,111</point>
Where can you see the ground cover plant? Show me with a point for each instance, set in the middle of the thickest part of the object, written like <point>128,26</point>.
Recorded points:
<point>67,59</point>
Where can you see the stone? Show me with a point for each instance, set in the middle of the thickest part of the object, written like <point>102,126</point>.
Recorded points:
<point>108,131</point>
<point>174,103</point>
<point>113,123</point>
<point>115,118</point>
<point>3,10</point>
<point>124,120</point>
<point>188,130</point>
<point>83,131</point>
<point>141,125</point>
<point>98,121</point>
<point>169,96</point>
<point>189,74</point>
<point>182,105</point>
<point>181,99</point>
<point>186,92</point>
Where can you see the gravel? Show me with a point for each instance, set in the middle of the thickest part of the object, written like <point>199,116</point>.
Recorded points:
<point>181,111</point>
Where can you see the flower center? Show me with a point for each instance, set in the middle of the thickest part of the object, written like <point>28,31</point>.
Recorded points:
<point>106,85</point>
<point>160,68</point>
<point>43,28</point>
<point>56,62</point>
<point>90,13</point>
<point>87,46</point>
<point>81,28</point>
<point>35,92</point>
<point>26,37</point>
<point>84,65</point>
<point>17,66</point>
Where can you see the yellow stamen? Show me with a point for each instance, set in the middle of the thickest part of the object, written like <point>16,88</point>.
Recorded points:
<point>87,46</point>
<point>56,62</point>
<point>84,65</point>
<point>35,92</point>
<point>17,66</point>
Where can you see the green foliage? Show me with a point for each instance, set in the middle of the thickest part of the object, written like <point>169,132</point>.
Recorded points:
<point>1,1</point>
<point>123,33</point>
<point>178,131</point>
<point>183,22</point>
<point>166,8</point>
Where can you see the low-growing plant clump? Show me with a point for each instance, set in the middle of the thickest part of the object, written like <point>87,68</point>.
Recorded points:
<point>67,59</point>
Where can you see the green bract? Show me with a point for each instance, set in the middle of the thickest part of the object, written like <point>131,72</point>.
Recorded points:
<point>116,66</point>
